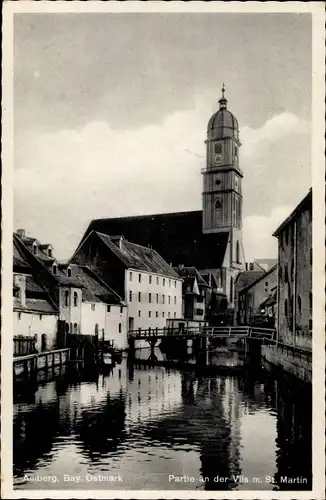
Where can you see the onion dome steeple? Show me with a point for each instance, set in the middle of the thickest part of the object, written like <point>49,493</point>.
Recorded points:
<point>223,123</point>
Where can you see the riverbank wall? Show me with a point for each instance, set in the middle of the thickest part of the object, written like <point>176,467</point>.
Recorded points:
<point>294,361</point>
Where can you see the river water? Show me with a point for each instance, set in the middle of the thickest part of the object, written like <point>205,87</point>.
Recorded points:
<point>156,427</point>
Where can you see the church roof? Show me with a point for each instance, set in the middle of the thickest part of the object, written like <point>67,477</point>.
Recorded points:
<point>177,237</point>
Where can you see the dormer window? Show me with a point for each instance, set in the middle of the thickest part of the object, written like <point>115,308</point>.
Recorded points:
<point>55,269</point>
<point>50,253</point>
<point>69,272</point>
<point>34,248</point>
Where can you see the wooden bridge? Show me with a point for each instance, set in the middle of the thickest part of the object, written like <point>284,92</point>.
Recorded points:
<point>237,332</point>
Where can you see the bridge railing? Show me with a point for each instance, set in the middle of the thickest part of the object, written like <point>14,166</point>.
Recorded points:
<point>215,331</point>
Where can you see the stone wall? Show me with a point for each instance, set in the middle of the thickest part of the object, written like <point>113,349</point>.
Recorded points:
<point>298,366</point>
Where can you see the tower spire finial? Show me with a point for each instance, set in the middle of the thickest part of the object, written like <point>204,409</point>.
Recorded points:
<point>223,101</point>
<point>223,90</point>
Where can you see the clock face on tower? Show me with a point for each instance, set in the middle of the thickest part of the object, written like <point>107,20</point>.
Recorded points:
<point>217,159</point>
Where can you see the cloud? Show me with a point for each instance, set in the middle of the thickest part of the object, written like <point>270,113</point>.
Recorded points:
<point>64,179</point>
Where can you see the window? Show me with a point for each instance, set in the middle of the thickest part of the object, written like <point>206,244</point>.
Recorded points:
<point>175,284</point>
<point>235,151</point>
<point>139,314</point>
<point>266,284</point>
<point>169,299</point>
<point>175,315</point>
<point>237,252</point>
<point>163,281</point>
<point>175,300</point>
<point>169,314</point>
<point>157,314</point>
<point>149,314</point>
<point>310,303</point>
<point>66,298</point>
<point>139,278</point>
<point>139,296</point>
<point>75,328</point>
<point>163,299</point>
<point>218,148</point>
<point>120,327</point>
<point>41,317</point>
<point>150,298</point>
<point>75,299</point>
<point>299,304</point>
<point>93,307</point>
<point>130,296</point>
<point>121,310</point>
<point>150,279</point>
<point>55,269</point>
<point>130,276</point>
<point>163,314</point>
<point>19,315</point>
<point>108,309</point>
<point>218,182</point>
<point>69,272</point>
<point>157,280</point>
<point>157,298</point>
<point>170,283</point>
<point>218,205</point>
<point>231,289</point>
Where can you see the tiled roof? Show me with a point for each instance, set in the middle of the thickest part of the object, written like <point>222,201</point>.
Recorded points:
<point>94,289</point>
<point>245,278</point>
<point>60,278</point>
<point>35,305</point>
<point>258,278</point>
<point>135,256</point>
<point>177,237</point>
<point>18,259</point>
<point>191,271</point>
<point>32,286</point>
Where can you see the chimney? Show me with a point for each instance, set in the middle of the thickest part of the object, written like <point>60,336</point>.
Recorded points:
<point>21,233</point>
<point>20,281</point>
<point>180,267</point>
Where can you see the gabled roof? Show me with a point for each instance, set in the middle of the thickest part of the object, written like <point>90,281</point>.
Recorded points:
<point>304,204</point>
<point>34,261</point>
<point>177,237</point>
<point>260,278</point>
<point>137,257</point>
<point>245,278</point>
<point>191,272</point>
<point>266,264</point>
<point>94,289</point>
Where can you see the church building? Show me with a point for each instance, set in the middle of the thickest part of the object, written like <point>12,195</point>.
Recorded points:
<point>209,239</point>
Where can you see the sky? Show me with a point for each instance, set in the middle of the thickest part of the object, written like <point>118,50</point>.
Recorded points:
<point>111,111</point>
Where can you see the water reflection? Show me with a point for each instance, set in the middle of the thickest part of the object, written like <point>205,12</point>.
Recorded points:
<point>157,425</point>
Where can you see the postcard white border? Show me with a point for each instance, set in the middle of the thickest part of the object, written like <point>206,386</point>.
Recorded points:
<point>318,182</point>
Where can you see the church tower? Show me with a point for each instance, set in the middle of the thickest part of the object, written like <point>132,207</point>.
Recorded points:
<point>222,191</point>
